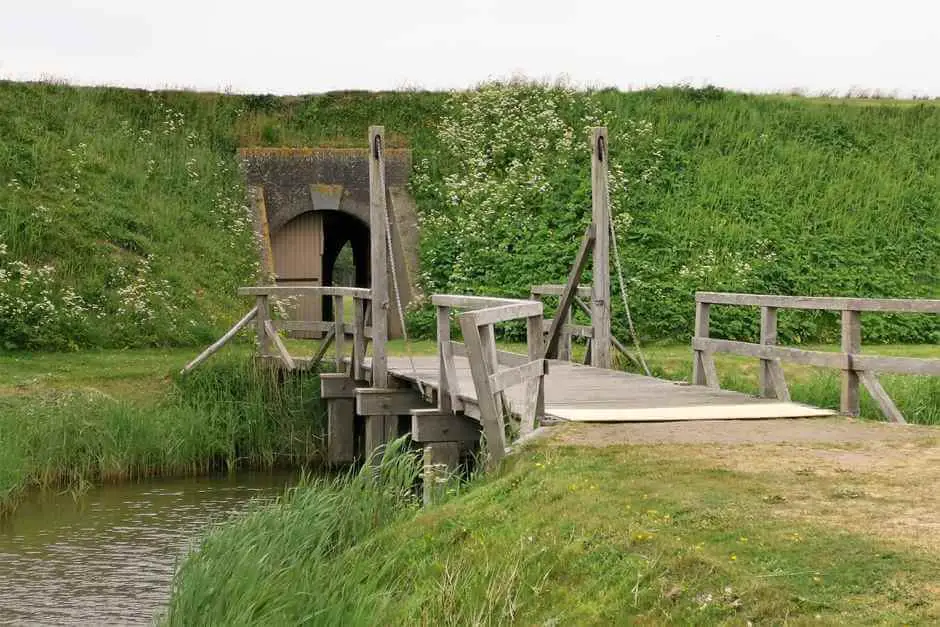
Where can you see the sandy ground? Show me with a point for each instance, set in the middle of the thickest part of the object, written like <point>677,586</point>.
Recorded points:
<point>870,478</point>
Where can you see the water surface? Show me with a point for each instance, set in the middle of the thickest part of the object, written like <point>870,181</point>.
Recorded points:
<point>109,556</point>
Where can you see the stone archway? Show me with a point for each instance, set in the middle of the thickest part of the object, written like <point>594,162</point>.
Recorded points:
<point>334,184</point>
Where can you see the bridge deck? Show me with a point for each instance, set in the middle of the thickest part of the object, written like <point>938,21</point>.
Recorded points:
<point>587,394</point>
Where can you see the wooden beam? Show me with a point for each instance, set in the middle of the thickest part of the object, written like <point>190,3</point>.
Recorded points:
<point>279,345</point>
<point>849,403</point>
<point>458,301</point>
<point>503,358</point>
<point>431,425</point>
<point>795,355</point>
<point>711,372</point>
<point>570,291</point>
<point>282,291</point>
<point>440,463</point>
<point>897,365</point>
<point>340,419</point>
<point>600,203</point>
<point>887,406</point>
<point>324,346</point>
<point>504,313</point>
<point>377,431</point>
<point>388,401</point>
<point>779,381</point>
<point>558,290</point>
<point>576,330</point>
<point>261,317</point>
<point>890,305</point>
<point>504,379</point>
<point>339,332</point>
<point>222,341</point>
<point>535,387</point>
<point>492,419</point>
<point>768,337</point>
<point>702,331</point>
<point>338,385</point>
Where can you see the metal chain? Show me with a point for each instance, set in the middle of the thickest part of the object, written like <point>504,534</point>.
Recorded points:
<point>623,294</point>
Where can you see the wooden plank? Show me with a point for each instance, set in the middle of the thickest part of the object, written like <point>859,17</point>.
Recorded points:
<point>570,291</point>
<point>359,337</point>
<point>339,332</point>
<point>338,385</point>
<point>897,365</point>
<point>851,344</point>
<point>261,317</point>
<point>702,331</point>
<point>376,429</point>
<point>388,401</point>
<point>434,426</point>
<point>503,379</point>
<point>558,290</point>
<point>576,330</point>
<point>302,325</point>
<point>222,341</point>
<point>503,358</point>
<point>281,291</point>
<point>795,355</point>
<point>768,337</point>
<point>895,305</point>
<point>444,401</point>
<point>340,418</point>
<point>711,372</point>
<point>448,384</point>
<point>324,346</point>
<point>778,381</point>
<point>458,301</point>
<point>440,463</point>
<point>492,419</point>
<point>600,211</point>
<point>887,406</point>
<point>279,345</point>
<point>534,403</point>
<point>504,313</point>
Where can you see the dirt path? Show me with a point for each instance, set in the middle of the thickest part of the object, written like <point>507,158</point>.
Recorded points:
<point>870,478</point>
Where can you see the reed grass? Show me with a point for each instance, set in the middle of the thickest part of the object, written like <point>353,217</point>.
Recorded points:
<point>226,415</point>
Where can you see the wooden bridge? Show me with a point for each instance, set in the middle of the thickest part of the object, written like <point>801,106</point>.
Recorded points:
<point>471,391</point>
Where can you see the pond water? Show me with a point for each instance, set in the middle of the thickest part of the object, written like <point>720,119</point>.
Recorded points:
<point>108,557</point>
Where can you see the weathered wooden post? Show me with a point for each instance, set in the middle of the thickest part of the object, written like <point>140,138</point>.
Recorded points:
<point>376,430</point>
<point>535,386</point>
<point>768,337</point>
<point>702,311</point>
<point>600,203</point>
<point>851,345</point>
<point>263,316</point>
<point>444,359</point>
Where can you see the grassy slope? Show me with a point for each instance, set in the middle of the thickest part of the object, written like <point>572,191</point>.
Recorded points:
<point>843,194</point>
<point>565,535</point>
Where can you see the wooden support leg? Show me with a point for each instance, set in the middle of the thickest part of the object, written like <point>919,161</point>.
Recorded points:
<point>340,418</point>
<point>441,460</point>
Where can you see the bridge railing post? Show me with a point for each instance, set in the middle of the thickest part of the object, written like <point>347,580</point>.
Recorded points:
<point>768,337</point>
<point>339,342</point>
<point>263,316</point>
<point>535,387</point>
<point>850,404</point>
<point>702,311</point>
<point>444,360</point>
<point>359,337</point>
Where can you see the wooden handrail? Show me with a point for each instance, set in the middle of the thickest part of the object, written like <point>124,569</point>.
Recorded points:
<point>826,303</point>
<point>856,368</point>
<point>305,290</point>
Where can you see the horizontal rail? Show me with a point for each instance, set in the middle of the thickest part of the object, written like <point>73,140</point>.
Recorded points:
<point>885,305</point>
<point>471,302</point>
<point>504,313</point>
<point>558,290</point>
<point>503,358</point>
<point>312,325</point>
<point>503,379</point>
<point>576,330</point>
<point>842,361</point>
<point>305,290</point>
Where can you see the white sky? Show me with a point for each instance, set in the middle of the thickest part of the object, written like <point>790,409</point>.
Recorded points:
<point>307,46</point>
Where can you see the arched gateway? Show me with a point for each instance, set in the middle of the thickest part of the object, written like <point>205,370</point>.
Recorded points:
<point>309,203</point>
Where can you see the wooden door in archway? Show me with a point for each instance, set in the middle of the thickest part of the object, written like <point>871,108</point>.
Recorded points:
<point>297,248</point>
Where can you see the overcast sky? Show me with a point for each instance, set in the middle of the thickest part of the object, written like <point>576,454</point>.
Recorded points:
<point>279,46</point>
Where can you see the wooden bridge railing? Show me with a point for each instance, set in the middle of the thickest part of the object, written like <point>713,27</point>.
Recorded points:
<point>336,330</point>
<point>565,329</point>
<point>479,346</point>
<point>855,367</point>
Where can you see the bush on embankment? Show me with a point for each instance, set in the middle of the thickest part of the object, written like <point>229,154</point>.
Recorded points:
<point>226,415</point>
<point>123,222</point>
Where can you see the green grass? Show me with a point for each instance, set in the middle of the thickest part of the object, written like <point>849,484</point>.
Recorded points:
<point>558,535</point>
<point>812,196</point>
<point>72,420</point>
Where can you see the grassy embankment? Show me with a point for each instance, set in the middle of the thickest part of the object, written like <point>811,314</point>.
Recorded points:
<point>72,419</point>
<point>561,534</point>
